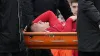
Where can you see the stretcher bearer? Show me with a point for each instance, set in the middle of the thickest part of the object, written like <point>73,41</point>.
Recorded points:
<point>88,28</point>
<point>11,38</point>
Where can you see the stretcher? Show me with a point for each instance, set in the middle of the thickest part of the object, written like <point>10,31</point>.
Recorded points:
<point>51,40</point>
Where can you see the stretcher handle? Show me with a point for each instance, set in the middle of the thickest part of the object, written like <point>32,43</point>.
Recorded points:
<point>36,41</point>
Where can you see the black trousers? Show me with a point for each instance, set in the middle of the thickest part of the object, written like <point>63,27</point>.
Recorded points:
<point>80,53</point>
<point>22,53</point>
<point>39,52</point>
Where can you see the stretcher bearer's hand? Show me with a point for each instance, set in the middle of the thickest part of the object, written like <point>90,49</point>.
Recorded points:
<point>25,29</point>
<point>99,26</point>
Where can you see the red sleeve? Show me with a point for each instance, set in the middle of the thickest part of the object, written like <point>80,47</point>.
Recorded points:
<point>68,26</point>
<point>74,26</point>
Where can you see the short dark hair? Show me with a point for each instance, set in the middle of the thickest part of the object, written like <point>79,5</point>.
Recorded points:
<point>74,1</point>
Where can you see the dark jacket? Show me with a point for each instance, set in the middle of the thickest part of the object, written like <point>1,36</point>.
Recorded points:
<point>11,39</point>
<point>27,12</point>
<point>41,6</point>
<point>88,25</point>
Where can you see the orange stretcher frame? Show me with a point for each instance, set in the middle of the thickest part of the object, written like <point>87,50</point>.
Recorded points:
<point>51,40</point>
